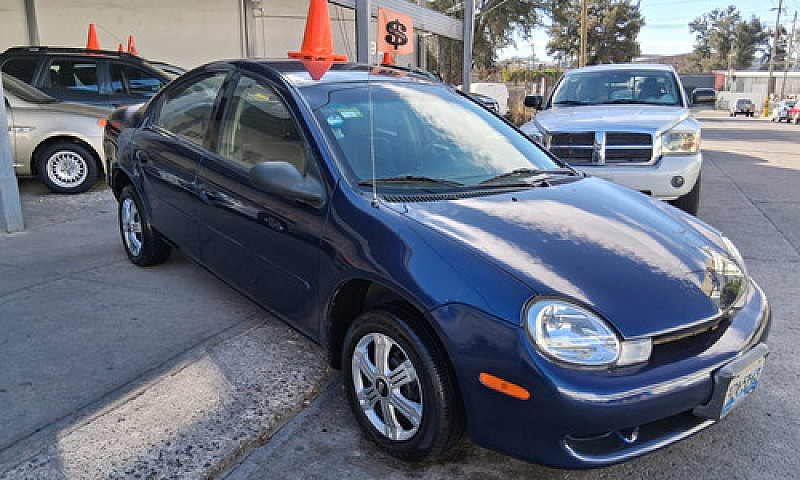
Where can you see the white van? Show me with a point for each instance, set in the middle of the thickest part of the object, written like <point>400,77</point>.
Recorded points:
<point>498,91</point>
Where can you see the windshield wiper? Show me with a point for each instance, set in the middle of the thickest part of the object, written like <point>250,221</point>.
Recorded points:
<point>412,179</point>
<point>571,102</point>
<point>628,101</point>
<point>525,172</point>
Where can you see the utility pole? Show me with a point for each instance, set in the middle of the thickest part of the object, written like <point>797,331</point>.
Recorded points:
<point>582,61</point>
<point>772,58</point>
<point>788,52</point>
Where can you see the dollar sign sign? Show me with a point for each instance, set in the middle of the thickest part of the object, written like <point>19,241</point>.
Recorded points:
<point>396,34</point>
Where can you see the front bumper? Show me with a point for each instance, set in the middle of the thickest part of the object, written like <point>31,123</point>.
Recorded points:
<point>584,418</point>
<point>656,179</point>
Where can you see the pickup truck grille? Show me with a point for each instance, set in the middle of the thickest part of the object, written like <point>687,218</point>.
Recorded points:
<point>593,148</point>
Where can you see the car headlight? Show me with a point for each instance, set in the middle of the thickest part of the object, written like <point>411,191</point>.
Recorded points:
<point>681,139</point>
<point>573,335</point>
<point>725,281</point>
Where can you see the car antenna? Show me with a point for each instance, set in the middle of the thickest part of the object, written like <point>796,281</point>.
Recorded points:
<point>371,132</point>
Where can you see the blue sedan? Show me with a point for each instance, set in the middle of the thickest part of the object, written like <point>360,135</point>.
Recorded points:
<point>463,278</point>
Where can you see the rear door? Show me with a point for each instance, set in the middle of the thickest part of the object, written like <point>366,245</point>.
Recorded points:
<point>169,149</point>
<point>266,244</point>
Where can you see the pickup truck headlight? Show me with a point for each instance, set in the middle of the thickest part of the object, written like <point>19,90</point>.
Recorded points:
<point>573,335</point>
<point>681,139</point>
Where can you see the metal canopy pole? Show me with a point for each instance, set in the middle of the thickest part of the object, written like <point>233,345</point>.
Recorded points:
<point>10,208</point>
<point>363,17</point>
<point>469,27</point>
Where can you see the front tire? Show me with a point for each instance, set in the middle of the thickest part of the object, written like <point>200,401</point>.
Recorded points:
<point>67,167</point>
<point>142,243</point>
<point>689,203</point>
<point>400,385</point>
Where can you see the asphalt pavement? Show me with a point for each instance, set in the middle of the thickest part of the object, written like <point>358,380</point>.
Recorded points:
<point>113,371</point>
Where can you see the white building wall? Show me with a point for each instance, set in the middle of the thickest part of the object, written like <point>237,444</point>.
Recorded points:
<point>186,33</point>
<point>13,24</point>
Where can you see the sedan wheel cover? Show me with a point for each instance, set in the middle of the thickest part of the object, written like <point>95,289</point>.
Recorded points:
<point>67,169</point>
<point>387,387</point>
<point>131,223</point>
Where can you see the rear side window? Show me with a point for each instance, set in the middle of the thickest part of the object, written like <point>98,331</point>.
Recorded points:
<point>21,68</point>
<point>186,110</point>
<point>134,81</point>
<point>75,75</point>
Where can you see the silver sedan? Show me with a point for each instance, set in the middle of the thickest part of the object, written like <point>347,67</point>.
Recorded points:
<point>62,143</point>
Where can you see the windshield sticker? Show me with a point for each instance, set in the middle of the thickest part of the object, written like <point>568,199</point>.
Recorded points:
<point>350,112</point>
<point>337,132</point>
<point>335,120</point>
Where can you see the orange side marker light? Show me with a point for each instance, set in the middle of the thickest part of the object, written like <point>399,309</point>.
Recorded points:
<point>503,386</point>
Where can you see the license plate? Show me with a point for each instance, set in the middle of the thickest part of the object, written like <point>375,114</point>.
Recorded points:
<point>733,382</point>
<point>742,385</point>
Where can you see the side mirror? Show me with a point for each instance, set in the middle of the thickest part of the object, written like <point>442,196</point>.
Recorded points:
<point>282,178</point>
<point>533,101</point>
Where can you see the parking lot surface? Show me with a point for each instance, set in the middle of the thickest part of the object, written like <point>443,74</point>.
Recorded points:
<point>112,371</point>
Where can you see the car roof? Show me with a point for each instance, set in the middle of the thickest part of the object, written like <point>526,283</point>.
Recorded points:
<point>622,67</point>
<point>296,73</point>
<point>66,51</point>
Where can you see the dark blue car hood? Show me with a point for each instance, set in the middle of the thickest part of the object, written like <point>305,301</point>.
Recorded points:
<point>637,262</point>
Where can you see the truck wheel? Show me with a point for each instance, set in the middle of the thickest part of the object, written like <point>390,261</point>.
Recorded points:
<point>689,203</point>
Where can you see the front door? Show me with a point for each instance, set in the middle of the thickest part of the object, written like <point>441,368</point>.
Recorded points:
<point>265,244</point>
<point>169,150</point>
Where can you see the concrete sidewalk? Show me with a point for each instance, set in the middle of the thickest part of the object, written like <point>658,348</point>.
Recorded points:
<point>112,371</point>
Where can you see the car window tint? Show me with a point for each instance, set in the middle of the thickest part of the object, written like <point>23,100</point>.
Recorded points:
<point>76,75</point>
<point>186,110</point>
<point>21,68</point>
<point>258,127</point>
<point>133,80</point>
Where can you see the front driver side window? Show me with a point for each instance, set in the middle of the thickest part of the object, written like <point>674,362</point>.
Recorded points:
<point>185,111</point>
<point>258,127</point>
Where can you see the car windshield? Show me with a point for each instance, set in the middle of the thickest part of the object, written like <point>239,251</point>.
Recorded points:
<point>423,137</point>
<point>617,86</point>
<point>25,92</point>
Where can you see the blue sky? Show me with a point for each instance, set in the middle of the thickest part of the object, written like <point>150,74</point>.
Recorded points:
<point>666,31</point>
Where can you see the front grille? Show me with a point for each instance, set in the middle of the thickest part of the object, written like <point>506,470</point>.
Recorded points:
<point>586,147</point>
<point>573,155</point>
<point>628,138</point>
<point>579,138</point>
<point>621,155</point>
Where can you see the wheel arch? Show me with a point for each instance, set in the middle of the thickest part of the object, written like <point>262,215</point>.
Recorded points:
<point>49,141</point>
<point>357,295</point>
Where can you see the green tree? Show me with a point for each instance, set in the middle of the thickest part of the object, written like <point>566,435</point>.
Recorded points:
<point>611,31</point>
<point>496,24</point>
<point>721,36</point>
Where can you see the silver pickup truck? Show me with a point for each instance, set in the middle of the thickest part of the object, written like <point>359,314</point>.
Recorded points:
<point>627,123</point>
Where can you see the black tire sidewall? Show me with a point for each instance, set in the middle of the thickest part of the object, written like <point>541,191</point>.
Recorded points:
<point>153,248</point>
<point>92,171</point>
<point>438,397</point>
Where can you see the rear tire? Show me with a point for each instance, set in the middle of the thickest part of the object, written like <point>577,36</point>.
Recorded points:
<point>400,385</point>
<point>142,243</point>
<point>689,203</point>
<point>67,167</point>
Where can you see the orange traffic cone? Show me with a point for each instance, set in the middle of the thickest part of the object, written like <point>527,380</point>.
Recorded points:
<point>388,60</point>
<point>317,50</point>
<point>121,49</point>
<point>91,42</point>
<point>132,46</point>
